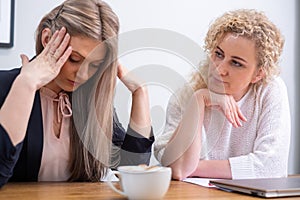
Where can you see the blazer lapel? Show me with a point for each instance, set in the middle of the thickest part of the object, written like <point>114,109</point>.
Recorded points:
<point>35,140</point>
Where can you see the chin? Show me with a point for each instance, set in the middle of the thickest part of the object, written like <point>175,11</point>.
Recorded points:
<point>217,91</point>
<point>69,89</point>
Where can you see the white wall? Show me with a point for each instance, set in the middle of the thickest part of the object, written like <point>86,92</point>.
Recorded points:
<point>296,139</point>
<point>187,19</point>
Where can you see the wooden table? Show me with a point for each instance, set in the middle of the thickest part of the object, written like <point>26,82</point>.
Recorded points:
<point>75,190</point>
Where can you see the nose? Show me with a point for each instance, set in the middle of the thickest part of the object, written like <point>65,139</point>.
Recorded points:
<point>82,73</point>
<point>221,68</point>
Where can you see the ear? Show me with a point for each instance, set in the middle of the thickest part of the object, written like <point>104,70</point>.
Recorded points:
<point>46,36</point>
<point>258,75</point>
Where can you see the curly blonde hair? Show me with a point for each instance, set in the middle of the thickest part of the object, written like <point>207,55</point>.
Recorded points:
<point>253,25</point>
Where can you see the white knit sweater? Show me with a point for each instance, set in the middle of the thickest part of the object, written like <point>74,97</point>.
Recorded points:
<point>257,149</point>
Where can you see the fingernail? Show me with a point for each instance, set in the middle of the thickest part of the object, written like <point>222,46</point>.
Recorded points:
<point>67,35</point>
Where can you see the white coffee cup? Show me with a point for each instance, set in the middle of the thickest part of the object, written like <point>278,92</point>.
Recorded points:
<point>140,182</point>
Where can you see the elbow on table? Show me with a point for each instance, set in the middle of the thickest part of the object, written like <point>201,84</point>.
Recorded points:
<point>179,174</point>
<point>3,178</point>
<point>181,170</point>
<point>2,183</point>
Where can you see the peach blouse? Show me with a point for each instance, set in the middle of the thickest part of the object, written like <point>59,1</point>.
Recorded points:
<point>56,112</point>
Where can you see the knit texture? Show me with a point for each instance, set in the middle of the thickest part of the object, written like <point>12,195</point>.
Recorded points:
<point>258,149</point>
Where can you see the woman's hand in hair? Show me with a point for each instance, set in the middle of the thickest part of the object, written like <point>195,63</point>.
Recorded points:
<point>140,112</point>
<point>47,65</point>
<point>225,103</point>
<point>129,79</point>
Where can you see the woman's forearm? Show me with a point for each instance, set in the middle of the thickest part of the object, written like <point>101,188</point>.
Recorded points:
<point>213,169</point>
<point>187,162</point>
<point>183,150</point>
<point>15,111</point>
<point>140,120</point>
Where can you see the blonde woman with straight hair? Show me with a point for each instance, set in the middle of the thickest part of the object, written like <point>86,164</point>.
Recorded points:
<point>233,120</point>
<point>57,119</point>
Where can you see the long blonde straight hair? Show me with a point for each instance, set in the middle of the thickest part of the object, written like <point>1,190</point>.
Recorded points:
<point>92,103</point>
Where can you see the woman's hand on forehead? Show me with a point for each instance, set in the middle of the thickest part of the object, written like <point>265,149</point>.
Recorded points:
<point>49,62</point>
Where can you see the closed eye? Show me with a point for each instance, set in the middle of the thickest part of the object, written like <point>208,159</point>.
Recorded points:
<point>73,60</point>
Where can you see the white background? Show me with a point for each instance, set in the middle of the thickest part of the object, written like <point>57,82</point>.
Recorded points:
<point>189,18</point>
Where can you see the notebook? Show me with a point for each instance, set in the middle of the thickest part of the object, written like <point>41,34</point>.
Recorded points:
<point>268,188</point>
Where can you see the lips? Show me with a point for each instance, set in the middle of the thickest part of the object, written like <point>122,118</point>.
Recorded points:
<point>74,83</point>
<point>219,80</point>
<point>215,79</point>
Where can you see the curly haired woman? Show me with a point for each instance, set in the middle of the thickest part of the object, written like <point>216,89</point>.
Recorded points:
<point>232,120</point>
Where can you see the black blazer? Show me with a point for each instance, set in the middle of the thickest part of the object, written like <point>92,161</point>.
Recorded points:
<point>22,163</point>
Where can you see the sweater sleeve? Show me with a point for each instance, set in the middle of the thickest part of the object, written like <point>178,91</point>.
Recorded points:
<point>173,118</point>
<point>133,148</point>
<point>9,155</point>
<point>269,157</point>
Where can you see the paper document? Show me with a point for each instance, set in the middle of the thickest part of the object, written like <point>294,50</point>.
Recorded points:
<point>199,181</point>
<point>110,176</point>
